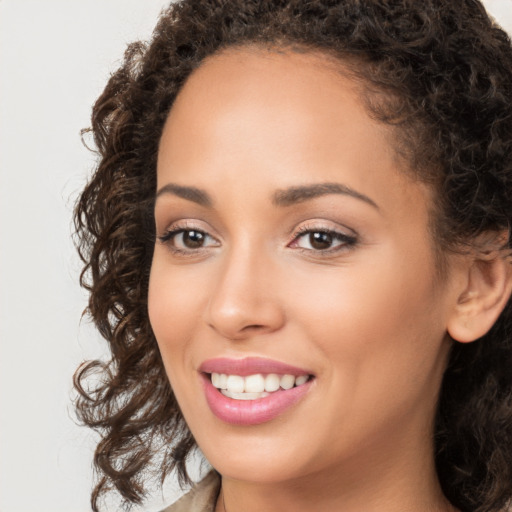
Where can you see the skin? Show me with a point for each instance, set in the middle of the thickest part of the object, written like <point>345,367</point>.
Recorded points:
<point>369,319</point>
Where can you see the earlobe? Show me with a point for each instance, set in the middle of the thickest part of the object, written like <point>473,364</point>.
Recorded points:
<point>487,290</point>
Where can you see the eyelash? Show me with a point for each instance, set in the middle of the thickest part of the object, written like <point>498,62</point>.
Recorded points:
<point>168,238</point>
<point>346,241</point>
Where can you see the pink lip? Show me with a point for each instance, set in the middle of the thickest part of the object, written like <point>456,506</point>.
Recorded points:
<point>250,366</point>
<point>251,412</point>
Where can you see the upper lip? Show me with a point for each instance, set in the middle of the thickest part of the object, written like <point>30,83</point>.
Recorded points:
<point>250,366</point>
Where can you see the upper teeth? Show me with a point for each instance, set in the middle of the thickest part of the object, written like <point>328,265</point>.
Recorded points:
<point>257,383</point>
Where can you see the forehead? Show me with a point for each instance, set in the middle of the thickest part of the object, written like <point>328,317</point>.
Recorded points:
<point>266,76</point>
<point>290,65</point>
<point>243,95</point>
<point>261,118</point>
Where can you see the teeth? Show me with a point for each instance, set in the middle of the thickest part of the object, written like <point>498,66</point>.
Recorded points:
<point>223,381</point>
<point>243,396</point>
<point>254,383</point>
<point>220,380</point>
<point>236,384</point>
<point>216,380</point>
<point>301,380</point>
<point>272,382</point>
<point>254,386</point>
<point>287,381</point>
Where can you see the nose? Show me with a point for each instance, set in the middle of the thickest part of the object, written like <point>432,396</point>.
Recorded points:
<point>245,297</point>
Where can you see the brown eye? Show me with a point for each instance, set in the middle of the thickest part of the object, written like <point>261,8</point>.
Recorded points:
<point>320,240</point>
<point>188,239</point>
<point>323,241</point>
<point>192,239</point>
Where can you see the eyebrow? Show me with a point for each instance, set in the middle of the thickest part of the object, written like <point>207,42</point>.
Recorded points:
<point>190,193</point>
<point>293,195</point>
<point>284,197</point>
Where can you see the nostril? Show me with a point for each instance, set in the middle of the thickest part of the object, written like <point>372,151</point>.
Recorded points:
<point>240,307</point>
<point>253,327</point>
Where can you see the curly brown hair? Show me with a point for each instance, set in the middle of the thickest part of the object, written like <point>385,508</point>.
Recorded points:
<point>440,72</point>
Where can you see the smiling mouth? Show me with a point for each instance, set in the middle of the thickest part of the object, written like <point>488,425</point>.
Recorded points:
<point>254,390</point>
<point>256,386</point>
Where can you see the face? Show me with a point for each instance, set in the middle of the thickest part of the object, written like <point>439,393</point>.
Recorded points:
<point>290,241</point>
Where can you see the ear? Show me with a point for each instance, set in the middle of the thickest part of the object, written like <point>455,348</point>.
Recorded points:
<point>486,289</point>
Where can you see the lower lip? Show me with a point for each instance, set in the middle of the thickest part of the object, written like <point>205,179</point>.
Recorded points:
<point>252,412</point>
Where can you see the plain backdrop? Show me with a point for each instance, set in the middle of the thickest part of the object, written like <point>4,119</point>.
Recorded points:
<point>55,58</point>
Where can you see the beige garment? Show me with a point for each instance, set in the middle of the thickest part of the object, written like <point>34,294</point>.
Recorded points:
<point>201,498</point>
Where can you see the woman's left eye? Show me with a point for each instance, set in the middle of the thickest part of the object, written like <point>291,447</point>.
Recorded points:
<point>323,240</point>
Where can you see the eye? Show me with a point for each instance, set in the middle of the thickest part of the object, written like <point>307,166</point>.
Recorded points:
<point>187,239</point>
<point>322,240</point>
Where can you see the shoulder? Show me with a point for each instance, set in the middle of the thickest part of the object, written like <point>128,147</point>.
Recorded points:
<point>201,498</point>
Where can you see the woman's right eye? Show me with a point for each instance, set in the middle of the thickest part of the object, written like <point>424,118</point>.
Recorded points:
<point>185,240</point>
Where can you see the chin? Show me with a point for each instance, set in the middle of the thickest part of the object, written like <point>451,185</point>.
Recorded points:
<point>256,457</point>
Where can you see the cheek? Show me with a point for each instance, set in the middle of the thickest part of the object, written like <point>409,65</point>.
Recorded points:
<point>368,318</point>
<point>382,344</point>
<point>175,299</point>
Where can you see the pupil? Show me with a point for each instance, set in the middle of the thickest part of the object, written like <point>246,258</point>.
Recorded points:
<point>193,239</point>
<point>320,240</point>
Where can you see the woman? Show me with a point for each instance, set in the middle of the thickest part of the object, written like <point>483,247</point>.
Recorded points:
<point>297,246</point>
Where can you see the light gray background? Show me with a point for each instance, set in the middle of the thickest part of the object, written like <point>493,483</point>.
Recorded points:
<point>55,57</point>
